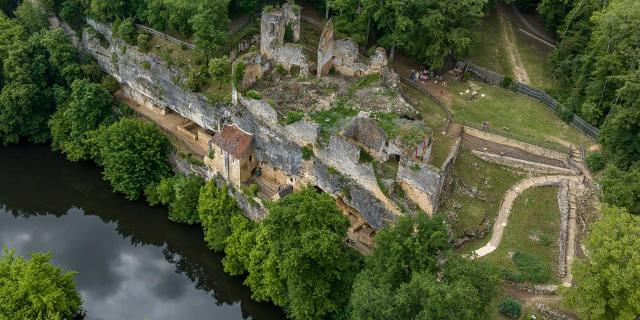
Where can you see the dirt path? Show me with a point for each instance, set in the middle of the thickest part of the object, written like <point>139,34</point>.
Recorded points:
<point>509,40</point>
<point>507,202</point>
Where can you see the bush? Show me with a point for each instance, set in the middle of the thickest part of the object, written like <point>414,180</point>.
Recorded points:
<point>293,116</point>
<point>144,42</point>
<point>253,94</point>
<point>146,65</point>
<point>238,74</point>
<point>180,193</point>
<point>216,208</point>
<point>510,308</point>
<point>281,70</point>
<point>127,31</point>
<point>288,33</point>
<point>506,82</point>
<point>595,161</point>
<point>307,152</point>
<point>533,268</point>
<point>110,84</point>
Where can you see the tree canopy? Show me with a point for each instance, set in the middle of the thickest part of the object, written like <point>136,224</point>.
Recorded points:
<point>607,281</point>
<point>36,289</point>
<point>296,257</point>
<point>216,208</point>
<point>133,155</point>
<point>180,192</point>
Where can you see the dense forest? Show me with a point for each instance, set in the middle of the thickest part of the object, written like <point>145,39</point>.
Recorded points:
<point>51,93</point>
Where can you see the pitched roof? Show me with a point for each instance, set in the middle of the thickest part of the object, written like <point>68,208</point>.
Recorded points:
<point>234,141</point>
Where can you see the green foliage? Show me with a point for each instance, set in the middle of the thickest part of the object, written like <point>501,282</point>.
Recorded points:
<point>622,188</point>
<point>296,257</point>
<point>620,135</point>
<point>507,82</point>
<point>400,279</point>
<point>307,152</point>
<point>220,70</point>
<point>210,26</point>
<point>293,116</point>
<point>89,105</point>
<point>195,80</point>
<point>144,41</point>
<point>510,308</point>
<point>110,84</point>
<point>288,33</point>
<point>145,65</point>
<point>126,30</point>
<point>365,157</point>
<point>252,190</point>
<point>281,70</point>
<point>36,289</point>
<point>606,283</point>
<point>133,154</point>
<point>253,94</point>
<point>216,208</point>
<point>595,161</point>
<point>72,12</point>
<point>238,74</point>
<point>531,267</point>
<point>420,28</point>
<point>31,17</point>
<point>180,193</point>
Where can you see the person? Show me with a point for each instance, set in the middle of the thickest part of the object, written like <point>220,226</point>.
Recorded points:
<point>413,76</point>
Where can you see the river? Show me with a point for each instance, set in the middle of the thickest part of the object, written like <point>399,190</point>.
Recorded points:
<point>132,262</point>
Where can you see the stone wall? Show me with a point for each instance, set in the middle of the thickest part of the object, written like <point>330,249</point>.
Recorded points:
<point>325,49</point>
<point>272,30</point>
<point>563,205</point>
<point>522,164</point>
<point>535,150</point>
<point>366,131</point>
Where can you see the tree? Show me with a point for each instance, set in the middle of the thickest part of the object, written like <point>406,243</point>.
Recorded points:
<point>133,154</point>
<point>36,289</point>
<point>215,209</point>
<point>510,308</point>
<point>72,12</point>
<point>296,257</point>
<point>607,281</point>
<point>24,111</point>
<point>32,17</point>
<point>210,26</point>
<point>553,12</point>
<point>220,70</point>
<point>620,135</point>
<point>88,107</point>
<point>179,192</point>
<point>402,278</point>
<point>127,30</point>
<point>622,188</point>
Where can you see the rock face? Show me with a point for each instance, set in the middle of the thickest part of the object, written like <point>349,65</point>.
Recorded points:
<point>334,168</point>
<point>366,131</point>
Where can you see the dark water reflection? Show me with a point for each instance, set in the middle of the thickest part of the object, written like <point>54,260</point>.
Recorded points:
<point>133,263</point>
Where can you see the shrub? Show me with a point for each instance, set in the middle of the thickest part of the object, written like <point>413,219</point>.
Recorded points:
<point>253,94</point>
<point>110,84</point>
<point>127,31</point>
<point>293,116</point>
<point>146,65</point>
<point>144,41</point>
<point>512,275</point>
<point>307,152</point>
<point>533,268</point>
<point>506,82</point>
<point>365,157</point>
<point>238,73</point>
<point>180,193</point>
<point>595,161</point>
<point>288,33</point>
<point>510,308</point>
<point>281,70</point>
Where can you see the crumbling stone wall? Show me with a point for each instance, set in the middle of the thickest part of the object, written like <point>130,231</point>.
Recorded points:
<point>563,205</point>
<point>273,25</point>
<point>366,131</point>
<point>343,55</point>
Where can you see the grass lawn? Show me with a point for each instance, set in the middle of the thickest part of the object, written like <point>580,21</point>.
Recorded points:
<point>511,114</point>
<point>491,182</point>
<point>435,118</point>
<point>534,213</point>
<point>487,48</point>
<point>535,57</point>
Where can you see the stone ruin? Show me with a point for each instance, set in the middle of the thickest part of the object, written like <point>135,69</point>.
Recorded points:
<point>343,56</point>
<point>273,26</point>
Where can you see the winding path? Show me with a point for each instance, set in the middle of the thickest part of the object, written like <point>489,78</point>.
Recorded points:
<point>507,202</point>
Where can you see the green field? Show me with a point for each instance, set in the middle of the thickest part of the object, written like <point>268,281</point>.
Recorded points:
<point>535,214</point>
<point>487,46</point>
<point>491,181</point>
<point>512,114</point>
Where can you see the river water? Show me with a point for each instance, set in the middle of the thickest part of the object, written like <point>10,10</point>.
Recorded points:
<point>132,262</point>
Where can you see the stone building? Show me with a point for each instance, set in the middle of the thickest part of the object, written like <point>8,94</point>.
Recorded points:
<point>231,154</point>
<point>273,46</point>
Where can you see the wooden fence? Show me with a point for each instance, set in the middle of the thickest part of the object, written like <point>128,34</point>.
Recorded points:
<point>166,36</point>
<point>537,94</point>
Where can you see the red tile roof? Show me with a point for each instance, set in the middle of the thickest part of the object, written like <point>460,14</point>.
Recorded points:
<point>234,141</point>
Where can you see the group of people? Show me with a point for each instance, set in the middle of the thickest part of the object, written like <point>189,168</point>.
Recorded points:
<point>422,76</point>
